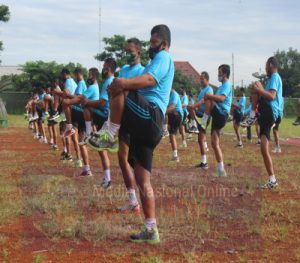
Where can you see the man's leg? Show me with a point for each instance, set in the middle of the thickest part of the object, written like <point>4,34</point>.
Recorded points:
<point>173,142</point>
<point>236,127</point>
<point>201,141</point>
<point>128,177</point>
<point>183,135</point>
<point>106,182</point>
<point>50,131</point>
<point>209,104</point>
<point>76,146</point>
<point>215,143</point>
<point>268,161</point>
<point>297,121</point>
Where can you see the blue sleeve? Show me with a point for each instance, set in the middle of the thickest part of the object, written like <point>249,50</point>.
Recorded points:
<point>80,88</point>
<point>172,99</point>
<point>103,94</point>
<point>224,90</point>
<point>185,100</point>
<point>159,66</point>
<point>90,93</point>
<point>69,85</point>
<point>121,75</point>
<point>274,83</point>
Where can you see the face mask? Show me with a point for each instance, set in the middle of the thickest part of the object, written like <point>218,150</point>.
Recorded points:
<point>130,58</point>
<point>104,74</point>
<point>154,50</point>
<point>220,78</point>
<point>90,81</point>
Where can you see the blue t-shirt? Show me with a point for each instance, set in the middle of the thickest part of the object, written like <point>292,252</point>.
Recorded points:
<point>248,109</point>
<point>128,71</point>
<point>81,87</point>
<point>41,97</point>
<point>275,83</point>
<point>175,99</point>
<point>161,68</point>
<point>103,111</point>
<point>191,102</point>
<point>184,100</point>
<point>241,102</point>
<point>226,90</point>
<point>71,85</point>
<point>92,92</point>
<point>207,89</point>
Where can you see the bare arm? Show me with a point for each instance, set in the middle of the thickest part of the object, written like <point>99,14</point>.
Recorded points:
<point>171,108</point>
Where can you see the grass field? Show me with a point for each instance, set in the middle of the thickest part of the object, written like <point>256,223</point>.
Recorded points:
<point>48,215</point>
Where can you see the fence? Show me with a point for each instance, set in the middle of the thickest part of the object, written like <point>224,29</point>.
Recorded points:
<point>15,101</point>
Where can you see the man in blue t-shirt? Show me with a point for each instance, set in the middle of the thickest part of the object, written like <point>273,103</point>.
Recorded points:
<point>196,111</point>
<point>270,106</point>
<point>175,116</point>
<point>238,113</point>
<point>96,111</point>
<point>184,103</point>
<point>132,69</point>
<point>140,104</point>
<point>218,108</point>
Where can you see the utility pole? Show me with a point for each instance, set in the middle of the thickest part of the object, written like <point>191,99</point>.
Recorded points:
<point>100,28</point>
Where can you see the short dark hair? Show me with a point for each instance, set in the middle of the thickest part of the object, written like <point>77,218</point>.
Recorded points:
<point>242,90</point>
<point>112,64</point>
<point>163,32</point>
<point>225,69</point>
<point>95,72</point>
<point>273,61</point>
<point>65,71</point>
<point>78,71</point>
<point>205,75</point>
<point>136,42</point>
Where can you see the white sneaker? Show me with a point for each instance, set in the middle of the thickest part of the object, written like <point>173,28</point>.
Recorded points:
<point>45,141</point>
<point>276,150</point>
<point>175,159</point>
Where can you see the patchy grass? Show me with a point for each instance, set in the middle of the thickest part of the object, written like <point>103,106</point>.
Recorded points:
<point>201,218</point>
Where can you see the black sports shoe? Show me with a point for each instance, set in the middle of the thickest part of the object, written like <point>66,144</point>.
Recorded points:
<point>297,122</point>
<point>269,185</point>
<point>193,129</point>
<point>202,166</point>
<point>54,116</point>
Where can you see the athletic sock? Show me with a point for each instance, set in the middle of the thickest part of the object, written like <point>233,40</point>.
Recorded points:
<point>272,178</point>
<point>86,168</point>
<point>113,129</point>
<point>175,153</point>
<point>184,142</point>
<point>88,128</point>
<point>65,149</point>
<point>69,127</point>
<point>150,223</point>
<point>107,175</point>
<point>203,159</point>
<point>165,127</point>
<point>252,113</point>
<point>194,124</point>
<point>51,141</point>
<point>240,143</point>
<point>205,145</point>
<point>132,197</point>
<point>221,166</point>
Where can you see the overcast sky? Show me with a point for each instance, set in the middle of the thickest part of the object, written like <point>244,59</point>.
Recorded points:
<point>206,33</point>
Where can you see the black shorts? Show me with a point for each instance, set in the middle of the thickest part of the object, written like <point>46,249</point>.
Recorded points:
<point>219,120</point>
<point>265,118</point>
<point>237,116</point>
<point>143,122</point>
<point>99,119</point>
<point>78,120</point>
<point>40,114</point>
<point>175,120</point>
<point>277,123</point>
<point>185,117</point>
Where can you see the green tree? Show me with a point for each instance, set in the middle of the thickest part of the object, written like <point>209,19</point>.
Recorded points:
<point>289,70</point>
<point>115,48</point>
<point>182,81</point>
<point>4,17</point>
<point>40,73</point>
